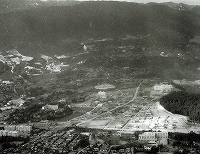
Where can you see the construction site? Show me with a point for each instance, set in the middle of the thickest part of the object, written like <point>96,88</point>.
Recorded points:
<point>151,117</point>
<point>137,114</point>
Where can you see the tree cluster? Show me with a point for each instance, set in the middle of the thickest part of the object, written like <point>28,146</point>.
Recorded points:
<point>184,103</point>
<point>24,115</point>
<point>190,137</point>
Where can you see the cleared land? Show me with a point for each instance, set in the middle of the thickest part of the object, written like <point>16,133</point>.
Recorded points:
<point>137,114</point>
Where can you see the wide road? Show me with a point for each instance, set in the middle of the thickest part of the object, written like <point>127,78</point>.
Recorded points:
<point>134,97</point>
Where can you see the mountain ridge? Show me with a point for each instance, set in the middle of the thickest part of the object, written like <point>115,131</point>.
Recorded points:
<point>92,19</point>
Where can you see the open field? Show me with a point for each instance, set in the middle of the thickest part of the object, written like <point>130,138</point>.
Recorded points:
<point>153,116</point>
<point>127,110</point>
<point>137,114</point>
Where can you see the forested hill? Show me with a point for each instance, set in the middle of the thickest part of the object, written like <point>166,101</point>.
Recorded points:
<point>184,103</point>
<point>54,24</point>
<point>196,10</point>
<point>14,5</point>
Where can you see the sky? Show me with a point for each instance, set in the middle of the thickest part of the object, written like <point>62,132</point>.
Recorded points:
<point>190,2</point>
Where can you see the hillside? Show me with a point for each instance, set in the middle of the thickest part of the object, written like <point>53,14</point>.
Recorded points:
<point>58,53</point>
<point>54,24</point>
<point>11,6</point>
<point>183,103</point>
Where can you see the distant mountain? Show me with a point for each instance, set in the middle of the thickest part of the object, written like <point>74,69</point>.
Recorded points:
<point>179,6</point>
<point>53,24</point>
<point>16,5</point>
<point>196,10</point>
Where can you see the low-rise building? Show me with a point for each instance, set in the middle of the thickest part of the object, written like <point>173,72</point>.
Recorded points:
<point>13,133</point>
<point>3,132</point>
<point>9,133</point>
<point>7,83</point>
<point>104,87</point>
<point>50,107</point>
<point>102,94</point>
<point>160,89</point>
<point>159,137</point>
<point>23,128</point>
<point>16,130</point>
<point>16,102</point>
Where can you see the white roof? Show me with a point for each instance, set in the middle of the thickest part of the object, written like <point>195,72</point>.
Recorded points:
<point>104,86</point>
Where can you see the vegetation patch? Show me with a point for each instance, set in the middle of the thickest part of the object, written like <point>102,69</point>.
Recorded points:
<point>184,103</point>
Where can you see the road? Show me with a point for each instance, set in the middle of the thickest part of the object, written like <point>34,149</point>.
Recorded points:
<point>62,125</point>
<point>135,115</point>
<point>134,97</point>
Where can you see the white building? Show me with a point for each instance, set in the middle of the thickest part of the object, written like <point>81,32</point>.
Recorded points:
<point>17,102</point>
<point>160,90</point>
<point>9,133</point>
<point>5,108</point>
<point>162,87</point>
<point>10,127</point>
<point>104,86</point>
<point>50,107</point>
<point>7,82</point>
<point>13,133</point>
<point>3,133</point>
<point>53,68</point>
<point>18,128</point>
<point>102,94</point>
<point>159,137</point>
<point>23,128</point>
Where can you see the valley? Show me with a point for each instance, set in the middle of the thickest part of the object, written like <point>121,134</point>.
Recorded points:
<point>72,80</point>
<point>90,72</point>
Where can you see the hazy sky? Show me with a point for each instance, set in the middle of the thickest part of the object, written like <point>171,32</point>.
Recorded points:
<point>190,2</point>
